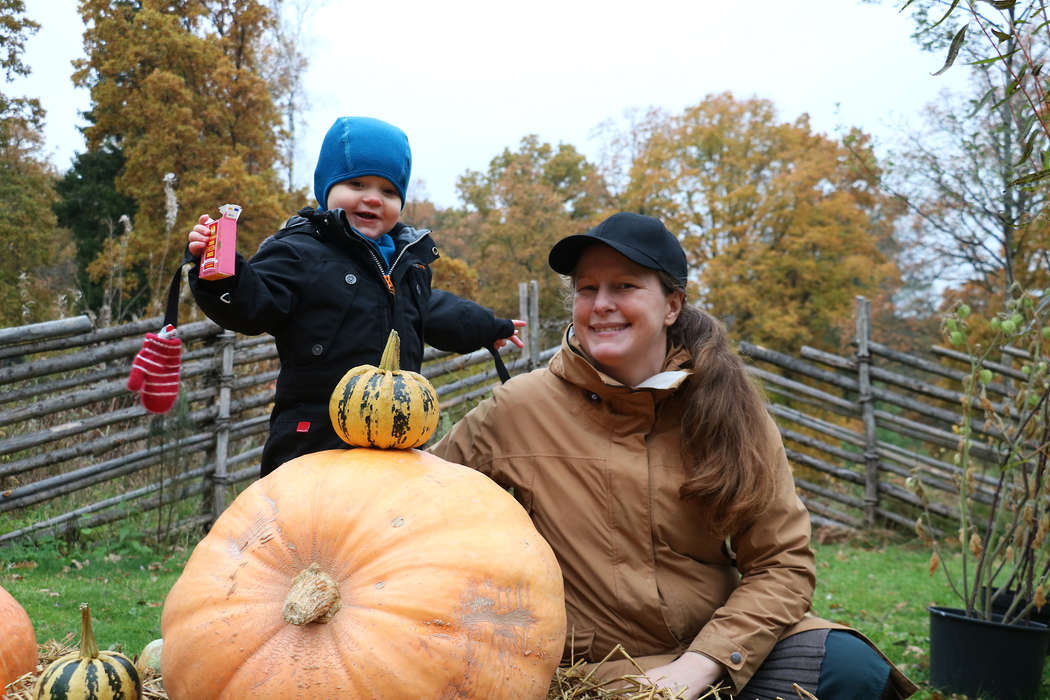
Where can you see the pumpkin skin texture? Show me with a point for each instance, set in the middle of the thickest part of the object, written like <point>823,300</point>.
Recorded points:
<point>384,406</point>
<point>89,674</point>
<point>433,580</point>
<point>18,649</point>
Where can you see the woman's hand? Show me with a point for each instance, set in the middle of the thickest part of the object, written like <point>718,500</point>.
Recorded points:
<point>199,236</point>
<point>513,338</point>
<point>692,672</point>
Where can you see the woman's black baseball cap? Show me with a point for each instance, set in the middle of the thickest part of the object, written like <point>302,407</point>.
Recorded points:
<point>641,239</point>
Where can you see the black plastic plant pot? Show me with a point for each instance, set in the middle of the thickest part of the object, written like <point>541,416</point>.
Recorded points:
<point>987,659</point>
<point>1001,603</point>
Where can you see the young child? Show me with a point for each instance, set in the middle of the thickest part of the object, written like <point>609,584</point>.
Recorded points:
<point>332,283</point>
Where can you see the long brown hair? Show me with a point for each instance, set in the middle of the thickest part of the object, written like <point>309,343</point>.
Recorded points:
<point>723,425</point>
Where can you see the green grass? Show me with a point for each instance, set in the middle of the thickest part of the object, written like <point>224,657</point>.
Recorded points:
<point>880,588</point>
<point>883,590</point>
<point>125,590</point>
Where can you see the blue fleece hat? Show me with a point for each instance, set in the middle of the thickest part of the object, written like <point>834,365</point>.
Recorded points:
<point>358,146</point>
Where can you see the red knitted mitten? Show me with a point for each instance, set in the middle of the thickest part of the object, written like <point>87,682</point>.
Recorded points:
<point>155,370</point>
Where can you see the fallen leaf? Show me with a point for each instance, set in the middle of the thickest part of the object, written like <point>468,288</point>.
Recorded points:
<point>27,564</point>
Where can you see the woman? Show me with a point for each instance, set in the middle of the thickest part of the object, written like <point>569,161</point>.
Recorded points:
<point>645,456</point>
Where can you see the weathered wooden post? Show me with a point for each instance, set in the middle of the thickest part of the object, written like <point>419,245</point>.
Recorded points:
<point>533,320</point>
<point>867,406</point>
<point>222,423</point>
<point>523,314</point>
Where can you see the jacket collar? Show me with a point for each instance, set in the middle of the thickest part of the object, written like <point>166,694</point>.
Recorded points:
<point>573,365</point>
<point>332,225</point>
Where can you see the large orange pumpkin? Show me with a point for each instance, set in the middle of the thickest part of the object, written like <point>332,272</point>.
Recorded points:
<point>367,574</point>
<point>18,649</point>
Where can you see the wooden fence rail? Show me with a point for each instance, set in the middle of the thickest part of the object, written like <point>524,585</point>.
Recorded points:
<point>77,450</point>
<point>856,428</point>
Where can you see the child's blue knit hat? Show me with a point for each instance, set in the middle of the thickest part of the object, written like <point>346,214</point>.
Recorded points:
<point>357,146</point>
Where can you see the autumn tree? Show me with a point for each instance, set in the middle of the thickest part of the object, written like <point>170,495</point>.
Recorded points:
<point>970,226</point>
<point>177,87</point>
<point>783,227</point>
<point>450,273</point>
<point>975,177</point>
<point>283,70</point>
<point>515,211</point>
<point>34,269</point>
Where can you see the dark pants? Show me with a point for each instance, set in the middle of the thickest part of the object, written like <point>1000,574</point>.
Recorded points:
<point>830,664</point>
<point>295,431</point>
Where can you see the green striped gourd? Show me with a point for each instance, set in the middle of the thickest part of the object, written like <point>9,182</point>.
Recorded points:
<point>89,674</point>
<point>384,406</point>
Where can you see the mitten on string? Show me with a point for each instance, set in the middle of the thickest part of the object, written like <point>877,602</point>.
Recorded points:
<point>155,370</point>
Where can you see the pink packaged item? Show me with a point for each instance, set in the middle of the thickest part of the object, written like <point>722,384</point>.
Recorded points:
<point>217,260</point>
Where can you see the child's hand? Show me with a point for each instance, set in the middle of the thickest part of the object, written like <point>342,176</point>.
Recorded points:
<point>199,236</point>
<point>513,338</point>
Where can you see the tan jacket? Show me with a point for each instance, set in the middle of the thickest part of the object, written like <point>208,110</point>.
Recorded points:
<point>598,466</point>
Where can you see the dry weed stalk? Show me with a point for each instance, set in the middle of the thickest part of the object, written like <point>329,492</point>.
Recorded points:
<point>571,683</point>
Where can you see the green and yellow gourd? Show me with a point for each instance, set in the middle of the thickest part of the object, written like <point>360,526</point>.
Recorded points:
<point>385,406</point>
<point>89,674</point>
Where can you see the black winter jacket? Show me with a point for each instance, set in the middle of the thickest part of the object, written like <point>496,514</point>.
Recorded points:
<point>324,294</point>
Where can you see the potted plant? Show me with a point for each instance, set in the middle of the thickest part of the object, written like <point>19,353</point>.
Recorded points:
<point>992,643</point>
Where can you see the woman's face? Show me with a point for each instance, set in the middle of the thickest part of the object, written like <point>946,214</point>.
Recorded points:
<point>621,313</point>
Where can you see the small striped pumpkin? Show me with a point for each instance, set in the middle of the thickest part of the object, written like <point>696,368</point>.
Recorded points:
<point>384,406</point>
<point>89,674</point>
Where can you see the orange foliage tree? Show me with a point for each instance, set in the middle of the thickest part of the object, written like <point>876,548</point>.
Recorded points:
<point>177,86</point>
<point>450,273</point>
<point>515,212</point>
<point>783,226</point>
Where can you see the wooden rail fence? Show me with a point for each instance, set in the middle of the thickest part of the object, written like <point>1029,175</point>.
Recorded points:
<point>856,428</point>
<point>77,450</point>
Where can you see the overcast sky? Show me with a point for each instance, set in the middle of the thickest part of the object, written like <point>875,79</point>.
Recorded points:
<point>466,79</point>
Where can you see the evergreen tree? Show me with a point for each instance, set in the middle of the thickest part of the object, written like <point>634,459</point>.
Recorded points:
<point>91,207</point>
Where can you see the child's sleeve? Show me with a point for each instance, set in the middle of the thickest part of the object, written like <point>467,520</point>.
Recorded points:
<point>459,325</point>
<point>261,294</point>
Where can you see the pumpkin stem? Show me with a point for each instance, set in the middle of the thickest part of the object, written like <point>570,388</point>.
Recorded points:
<point>391,360</point>
<point>88,645</point>
<point>313,597</point>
